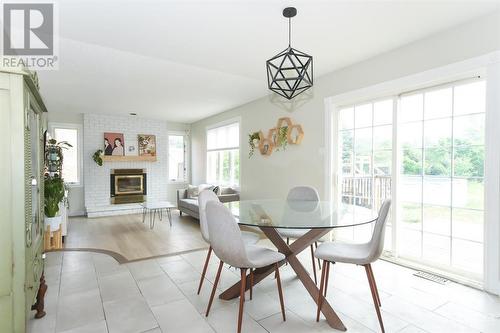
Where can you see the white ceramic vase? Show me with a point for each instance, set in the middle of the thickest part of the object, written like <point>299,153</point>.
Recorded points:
<point>53,222</point>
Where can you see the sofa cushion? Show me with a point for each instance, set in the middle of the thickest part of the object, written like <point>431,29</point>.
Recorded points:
<point>192,191</point>
<point>189,203</point>
<point>227,190</point>
<point>203,187</point>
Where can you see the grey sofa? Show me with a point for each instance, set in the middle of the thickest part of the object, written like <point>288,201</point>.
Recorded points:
<point>190,205</point>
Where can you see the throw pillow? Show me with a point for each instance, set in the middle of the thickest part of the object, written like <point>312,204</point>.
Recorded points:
<point>192,192</point>
<point>216,190</point>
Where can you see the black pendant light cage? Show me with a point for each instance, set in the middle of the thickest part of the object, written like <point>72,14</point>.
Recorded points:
<point>290,72</point>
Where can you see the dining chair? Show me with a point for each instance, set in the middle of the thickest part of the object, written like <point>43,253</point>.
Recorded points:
<point>228,244</point>
<point>204,197</point>
<point>359,254</point>
<point>302,193</point>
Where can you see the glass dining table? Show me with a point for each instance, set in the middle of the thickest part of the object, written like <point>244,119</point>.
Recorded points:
<point>319,217</point>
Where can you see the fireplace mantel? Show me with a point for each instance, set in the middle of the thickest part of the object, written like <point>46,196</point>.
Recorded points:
<point>128,158</point>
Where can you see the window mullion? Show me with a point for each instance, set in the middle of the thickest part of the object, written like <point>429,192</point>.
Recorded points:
<point>395,177</point>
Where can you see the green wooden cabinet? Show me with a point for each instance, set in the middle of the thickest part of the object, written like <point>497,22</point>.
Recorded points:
<point>23,122</point>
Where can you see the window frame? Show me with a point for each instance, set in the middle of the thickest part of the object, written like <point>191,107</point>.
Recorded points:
<point>227,122</point>
<point>399,89</point>
<point>79,137</point>
<point>185,135</point>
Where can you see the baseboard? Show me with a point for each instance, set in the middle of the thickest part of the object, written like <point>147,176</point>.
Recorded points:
<point>76,213</point>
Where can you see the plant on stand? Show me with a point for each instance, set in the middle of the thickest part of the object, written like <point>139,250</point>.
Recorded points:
<point>54,189</point>
<point>53,195</point>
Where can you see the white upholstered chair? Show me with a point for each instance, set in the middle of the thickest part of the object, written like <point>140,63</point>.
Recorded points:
<point>227,243</point>
<point>204,197</point>
<point>301,193</point>
<point>359,254</point>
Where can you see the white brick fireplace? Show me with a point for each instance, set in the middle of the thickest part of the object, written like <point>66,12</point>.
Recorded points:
<point>97,178</point>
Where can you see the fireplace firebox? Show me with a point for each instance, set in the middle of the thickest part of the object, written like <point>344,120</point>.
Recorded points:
<point>128,186</point>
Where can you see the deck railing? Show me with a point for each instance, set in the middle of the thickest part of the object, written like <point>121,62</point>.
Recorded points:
<point>368,191</point>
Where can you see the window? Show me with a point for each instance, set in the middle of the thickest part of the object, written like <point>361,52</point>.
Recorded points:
<point>177,171</point>
<point>70,133</point>
<point>223,154</point>
<point>437,150</point>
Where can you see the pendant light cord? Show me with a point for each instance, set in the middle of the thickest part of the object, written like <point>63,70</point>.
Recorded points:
<point>289,31</point>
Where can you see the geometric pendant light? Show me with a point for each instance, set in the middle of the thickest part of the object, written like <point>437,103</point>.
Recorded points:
<point>290,72</point>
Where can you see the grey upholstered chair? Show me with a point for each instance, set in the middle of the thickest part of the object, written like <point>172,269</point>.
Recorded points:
<point>204,197</point>
<point>358,254</point>
<point>301,193</point>
<point>227,243</point>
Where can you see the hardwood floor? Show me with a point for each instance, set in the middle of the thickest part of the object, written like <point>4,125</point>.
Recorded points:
<point>131,240</point>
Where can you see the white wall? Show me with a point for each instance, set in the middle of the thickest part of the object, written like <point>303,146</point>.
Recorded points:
<point>305,164</point>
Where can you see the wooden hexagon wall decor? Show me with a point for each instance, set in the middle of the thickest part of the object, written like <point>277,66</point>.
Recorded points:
<point>285,121</point>
<point>266,146</point>
<point>295,135</point>
<point>273,136</point>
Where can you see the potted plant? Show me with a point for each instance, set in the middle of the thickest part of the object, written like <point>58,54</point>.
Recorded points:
<point>53,195</point>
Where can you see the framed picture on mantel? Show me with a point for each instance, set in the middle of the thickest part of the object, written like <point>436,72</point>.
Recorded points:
<point>147,144</point>
<point>113,144</point>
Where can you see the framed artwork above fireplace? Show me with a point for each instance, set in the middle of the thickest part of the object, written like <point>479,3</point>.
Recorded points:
<point>147,144</point>
<point>114,144</point>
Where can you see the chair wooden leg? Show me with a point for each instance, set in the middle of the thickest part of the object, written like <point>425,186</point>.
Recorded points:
<point>319,261</point>
<point>251,283</point>
<point>374,284</point>
<point>314,264</point>
<point>204,269</point>
<point>280,291</point>
<point>242,297</point>
<point>327,268</point>
<point>321,288</point>
<point>286,262</point>
<point>214,288</point>
<point>374,295</point>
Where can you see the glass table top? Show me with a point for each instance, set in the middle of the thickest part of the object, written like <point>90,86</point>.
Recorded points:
<point>299,214</point>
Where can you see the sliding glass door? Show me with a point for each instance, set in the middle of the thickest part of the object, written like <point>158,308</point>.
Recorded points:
<point>441,192</point>
<point>426,150</point>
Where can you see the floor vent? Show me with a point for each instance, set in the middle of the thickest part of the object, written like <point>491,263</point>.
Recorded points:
<point>431,277</point>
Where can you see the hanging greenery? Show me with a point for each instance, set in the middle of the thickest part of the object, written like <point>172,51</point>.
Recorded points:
<point>282,138</point>
<point>54,156</point>
<point>97,157</point>
<point>252,137</point>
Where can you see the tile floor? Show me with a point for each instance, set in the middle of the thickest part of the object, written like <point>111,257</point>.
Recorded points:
<point>91,292</point>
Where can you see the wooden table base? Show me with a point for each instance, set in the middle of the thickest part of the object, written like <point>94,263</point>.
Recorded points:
<point>291,252</point>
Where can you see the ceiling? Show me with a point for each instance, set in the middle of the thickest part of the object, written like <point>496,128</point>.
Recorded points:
<point>185,60</point>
